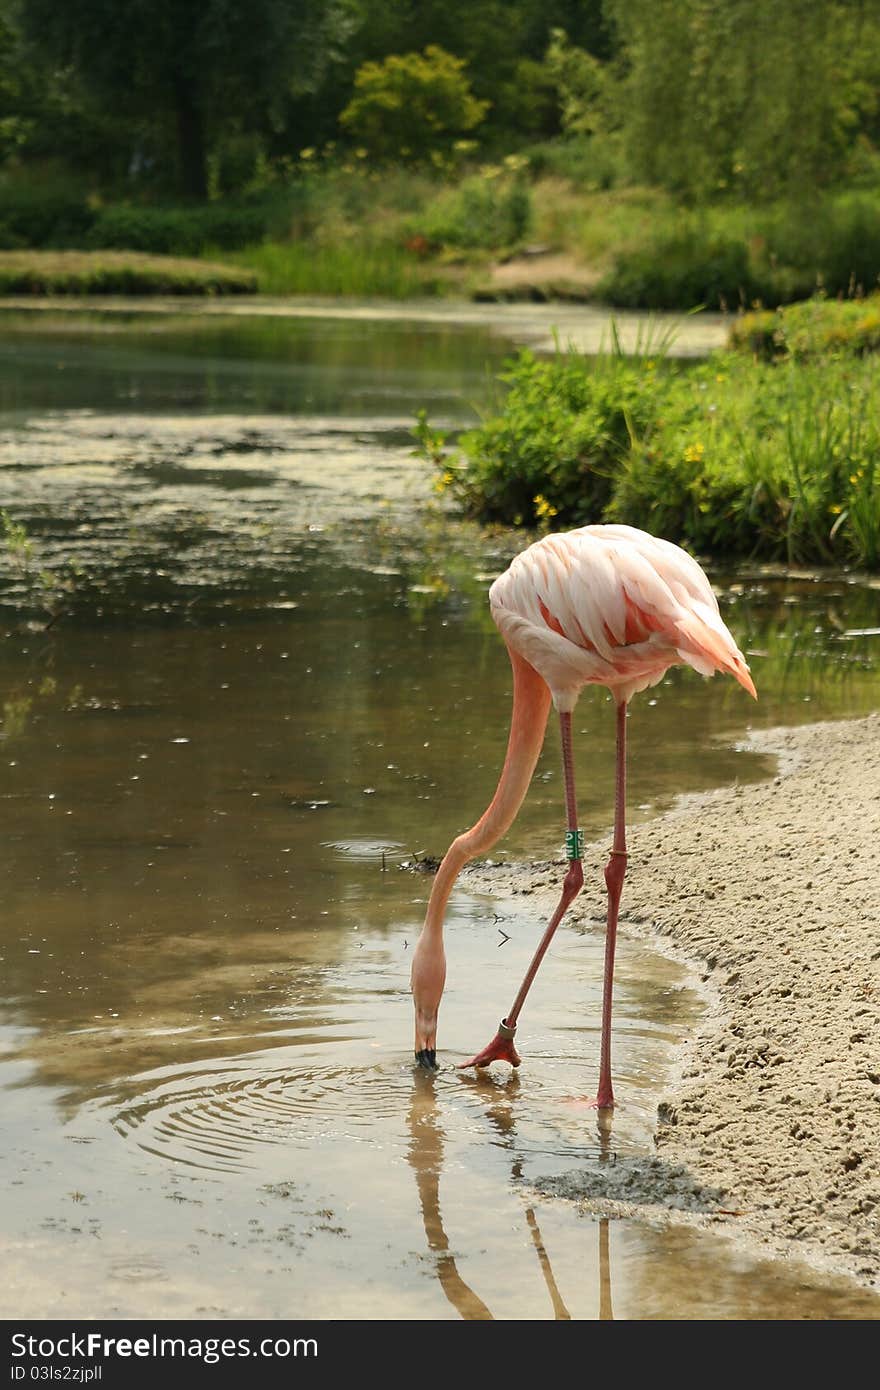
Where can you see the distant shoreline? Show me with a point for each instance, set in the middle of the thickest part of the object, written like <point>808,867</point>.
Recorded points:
<point>586,328</point>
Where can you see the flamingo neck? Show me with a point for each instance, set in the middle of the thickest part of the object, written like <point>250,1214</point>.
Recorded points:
<point>531,707</point>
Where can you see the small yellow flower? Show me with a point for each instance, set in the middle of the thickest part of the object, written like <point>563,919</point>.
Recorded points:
<point>444,481</point>
<point>836,509</point>
<point>544,510</point>
<point>308,153</point>
<point>694,453</point>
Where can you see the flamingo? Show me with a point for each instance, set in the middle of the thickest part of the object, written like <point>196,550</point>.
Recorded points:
<point>603,605</point>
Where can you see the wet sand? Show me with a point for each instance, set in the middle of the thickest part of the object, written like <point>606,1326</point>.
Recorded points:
<point>771,1128</point>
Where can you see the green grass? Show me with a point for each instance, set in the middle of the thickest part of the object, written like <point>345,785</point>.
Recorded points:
<point>116,272</point>
<point>346,268</point>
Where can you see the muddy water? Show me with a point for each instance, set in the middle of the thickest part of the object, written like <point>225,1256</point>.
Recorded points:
<point>247,679</point>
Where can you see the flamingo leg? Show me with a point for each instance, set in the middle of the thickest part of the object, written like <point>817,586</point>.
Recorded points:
<point>501,1048</point>
<point>615,870</point>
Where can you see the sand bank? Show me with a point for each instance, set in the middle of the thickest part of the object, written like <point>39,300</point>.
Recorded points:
<point>771,1128</point>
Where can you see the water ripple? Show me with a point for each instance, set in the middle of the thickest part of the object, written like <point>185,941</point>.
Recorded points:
<point>227,1121</point>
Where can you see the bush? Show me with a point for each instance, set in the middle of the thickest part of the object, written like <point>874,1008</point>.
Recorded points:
<point>817,327</point>
<point>730,456</point>
<point>485,212</point>
<point>834,245</point>
<point>53,213</point>
<point>589,163</point>
<point>412,106</point>
<point>680,271</point>
<point>558,445</point>
<point>176,231</point>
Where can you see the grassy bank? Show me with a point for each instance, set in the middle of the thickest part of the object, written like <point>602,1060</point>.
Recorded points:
<point>735,456</point>
<point>538,224</point>
<point>346,269</point>
<point>117,272</point>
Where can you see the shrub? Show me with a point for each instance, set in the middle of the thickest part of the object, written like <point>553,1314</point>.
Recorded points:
<point>485,212</point>
<point>557,446</point>
<point>814,328</point>
<point>176,231</point>
<point>51,213</point>
<point>834,244</point>
<point>730,456</point>
<point>680,271</point>
<point>412,105</point>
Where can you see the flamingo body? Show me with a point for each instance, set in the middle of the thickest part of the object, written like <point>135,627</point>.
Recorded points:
<point>602,605</point>
<point>613,606</point>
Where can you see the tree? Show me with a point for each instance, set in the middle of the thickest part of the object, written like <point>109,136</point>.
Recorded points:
<point>741,94</point>
<point>192,68</point>
<point>581,84</point>
<point>503,43</point>
<point>412,105</point>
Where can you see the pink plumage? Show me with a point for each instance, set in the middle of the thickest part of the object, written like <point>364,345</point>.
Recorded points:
<point>603,605</point>
<point>611,605</point>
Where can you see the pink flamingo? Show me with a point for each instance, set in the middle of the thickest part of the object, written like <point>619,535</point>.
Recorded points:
<point>605,605</point>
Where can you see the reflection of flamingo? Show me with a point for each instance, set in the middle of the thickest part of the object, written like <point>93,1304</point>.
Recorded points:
<point>426,1157</point>
<point>604,605</point>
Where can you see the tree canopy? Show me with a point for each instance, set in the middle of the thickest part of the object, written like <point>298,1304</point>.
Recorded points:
<point>704,97</point>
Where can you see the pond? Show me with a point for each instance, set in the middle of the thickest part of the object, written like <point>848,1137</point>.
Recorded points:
<point>248,680</point>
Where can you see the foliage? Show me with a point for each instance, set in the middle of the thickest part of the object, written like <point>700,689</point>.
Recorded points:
<point>817,327</point>
<point>682,270</point>
<point>581,82</point>
<point>491,210</point>
<point>109,272</point>
<point>724,95</point>
<point>717,259</point>
<point>413,106</point>
<point>52,212</point>
<point>835,241</point>
<point>730,456</point>
<point>185,231</point>
<point>345,268</point>
<point>557,445</point>
<point>188,71</point>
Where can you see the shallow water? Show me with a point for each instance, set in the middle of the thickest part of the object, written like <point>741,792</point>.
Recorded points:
<point>247,678</point>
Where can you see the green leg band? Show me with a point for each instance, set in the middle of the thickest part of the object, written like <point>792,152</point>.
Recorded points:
<point>574,844</point>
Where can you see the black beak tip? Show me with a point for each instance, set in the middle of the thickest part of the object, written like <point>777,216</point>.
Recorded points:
<point>427,1059</point>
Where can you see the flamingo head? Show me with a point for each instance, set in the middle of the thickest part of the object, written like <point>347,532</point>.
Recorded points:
<point>427,980</point>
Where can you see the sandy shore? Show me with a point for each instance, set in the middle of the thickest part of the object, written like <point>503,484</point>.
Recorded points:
<point>772,1127</point>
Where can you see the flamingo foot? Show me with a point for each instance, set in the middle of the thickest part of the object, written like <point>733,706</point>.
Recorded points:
<point>500,1049</point>
<point>426,1058</point>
